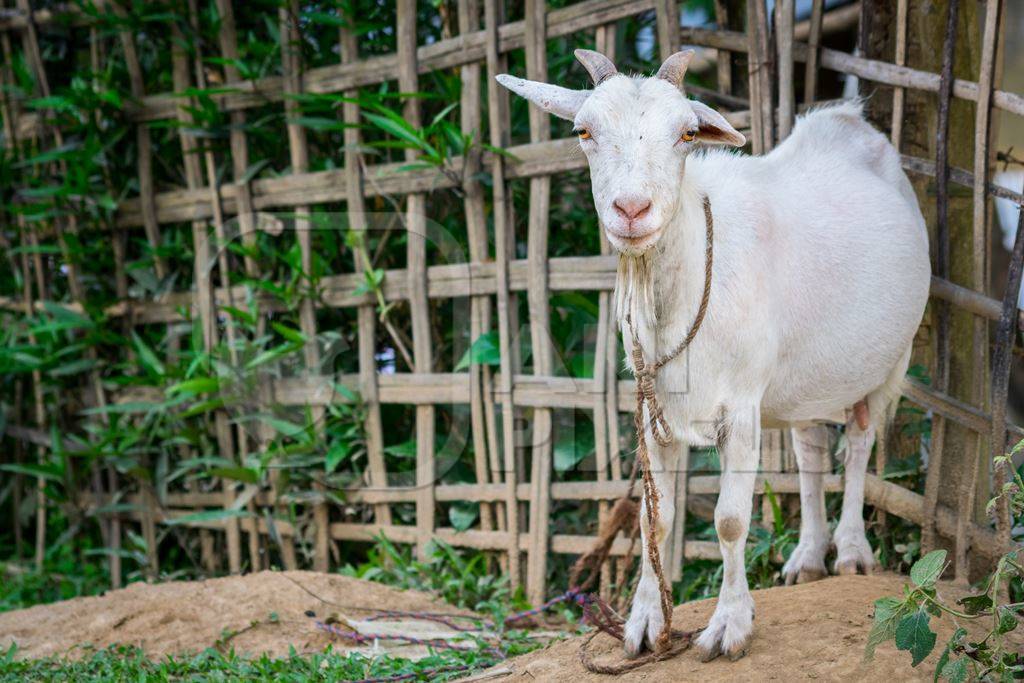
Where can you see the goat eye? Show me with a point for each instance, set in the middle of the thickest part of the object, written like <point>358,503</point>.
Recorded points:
<point>583,133</point>
<point>688,136</point>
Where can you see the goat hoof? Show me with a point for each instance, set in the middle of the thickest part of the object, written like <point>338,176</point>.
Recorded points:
<point>854,567</point>
<point>853,552</point>
<point>806,563</point>
<point>645,622</point>
<point>809,575</point>
<point>737,654</point>
<point>729,630</point>
<point>708,654</point>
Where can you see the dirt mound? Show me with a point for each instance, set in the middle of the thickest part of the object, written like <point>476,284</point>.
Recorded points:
<point>265,612</point>
<point>811,631</point>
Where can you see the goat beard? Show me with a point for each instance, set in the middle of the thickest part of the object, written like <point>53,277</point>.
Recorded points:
<point>634,288</point>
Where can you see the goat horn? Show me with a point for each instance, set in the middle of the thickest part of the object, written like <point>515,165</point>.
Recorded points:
<point>597,65</point>
<point>674,68</point>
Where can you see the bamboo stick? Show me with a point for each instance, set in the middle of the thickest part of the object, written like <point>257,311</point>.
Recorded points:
<point>476,229</point>
<point>979,282</point>
<point>367,321</point>
<point>605,412</point>
<point>899,94</point>
<point>667,20</point>
<point>498,116</point>
<point>784,20</point>
<point>416,228</point>
<point>227,37</point>
<point>539,307</point>
<point>298,147</point>
<point>942,352</point>
<point>813,51</point>
<point>203,298</point>
<point>723,62</point>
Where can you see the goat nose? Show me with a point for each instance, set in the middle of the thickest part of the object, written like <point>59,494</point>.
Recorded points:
<point>632,208</point>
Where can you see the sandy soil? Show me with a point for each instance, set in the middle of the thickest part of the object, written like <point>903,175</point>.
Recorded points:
<point>811,631</point>
<point>190,616</point>
<point>816,630</point>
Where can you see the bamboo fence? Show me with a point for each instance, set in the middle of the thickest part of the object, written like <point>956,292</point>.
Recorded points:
<point>515,503</point>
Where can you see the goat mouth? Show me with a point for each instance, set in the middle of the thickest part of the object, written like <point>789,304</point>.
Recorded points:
<point>636,242</point>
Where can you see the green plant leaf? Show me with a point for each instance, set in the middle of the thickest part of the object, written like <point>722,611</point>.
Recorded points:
<point>914,635</point>
<point>927,570</point>
<point>955,671</point>
<point>242,474</point>
<point>463,514</point>
<point>1007,620</point>
<point>197,385</point>
<point>975,604</point>
<point>888,610</point>
<point>336,454</point>
<point>206,516</point>
<point>484,351</point>
<point>50,472</point>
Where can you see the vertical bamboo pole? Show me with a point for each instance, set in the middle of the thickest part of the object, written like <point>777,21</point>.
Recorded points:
<point>291,60</point>
<point>144,143</point>
<point>113,522</point>
<point>367,319</point>
<point>979,282</point>
<point>223,269</point>
<point>667,20</point>
<point>604,373</point>
<point>419,305</point>
<point>33,270</point>
<point>899,94</point>
<point>941,380</point>
<point>476,228</point>
<point>1005,333</point>
<point>760,77</point>
<point>540,321</point>
<point>813,51</point>
<point>1004,336</point>
<point>723,63</point>
<point>202,268</point>
<point>498,120</point>
<point>784,18</point>
<point>227,37</point>
<point>30,42</point>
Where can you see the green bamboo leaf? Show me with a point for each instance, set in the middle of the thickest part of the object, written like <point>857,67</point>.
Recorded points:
<point>49,472</point>
<point>207,516</point>
<point>484,351</point>
<point>197,385</point>
<point>242,474</point>
<point>336,454</point>
<point>203,407</point>
<point>150,361</point>
<point>289,333</point>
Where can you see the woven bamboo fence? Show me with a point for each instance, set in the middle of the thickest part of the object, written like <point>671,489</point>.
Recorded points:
<point>514,484</point>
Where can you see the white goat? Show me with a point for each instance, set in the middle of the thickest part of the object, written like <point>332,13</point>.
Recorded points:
<point>820,279</point>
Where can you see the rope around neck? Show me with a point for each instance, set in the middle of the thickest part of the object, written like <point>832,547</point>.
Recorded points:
<point>646,395</point>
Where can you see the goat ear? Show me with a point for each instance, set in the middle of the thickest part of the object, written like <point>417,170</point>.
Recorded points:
<point>562,102</point>
<point>713,128</point>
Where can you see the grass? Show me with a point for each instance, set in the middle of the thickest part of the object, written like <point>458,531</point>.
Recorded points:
<point>131,664</point>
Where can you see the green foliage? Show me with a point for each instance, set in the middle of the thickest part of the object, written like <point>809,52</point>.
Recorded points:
<point>123,663</point>
<point>906,620</point>
<point>464,579</point>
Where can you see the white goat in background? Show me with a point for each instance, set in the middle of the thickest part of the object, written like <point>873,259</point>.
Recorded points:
<point>820,278</point>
